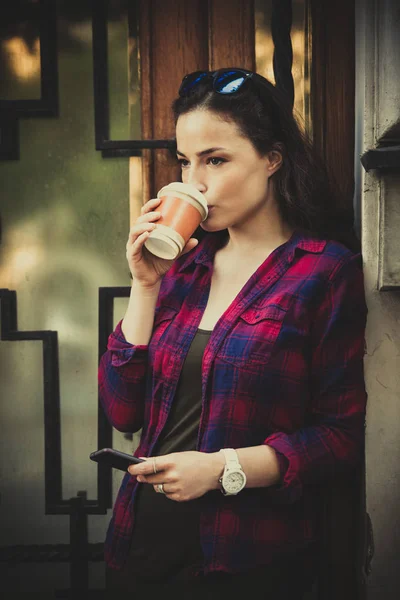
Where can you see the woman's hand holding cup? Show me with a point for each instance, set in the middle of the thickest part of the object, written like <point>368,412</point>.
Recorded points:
<point>146,268</point>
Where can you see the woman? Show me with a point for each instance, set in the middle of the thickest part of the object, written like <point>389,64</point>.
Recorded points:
<point>242,360</point>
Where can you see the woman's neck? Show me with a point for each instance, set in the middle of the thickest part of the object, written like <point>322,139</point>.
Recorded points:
<point>259,238</point>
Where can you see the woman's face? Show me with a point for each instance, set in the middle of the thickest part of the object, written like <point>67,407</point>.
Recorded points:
<point>224,165</point>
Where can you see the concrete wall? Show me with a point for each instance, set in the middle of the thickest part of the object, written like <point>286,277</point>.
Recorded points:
<point>378,197</point>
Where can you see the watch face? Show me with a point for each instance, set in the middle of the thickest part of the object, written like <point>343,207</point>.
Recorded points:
<point>234,482</point>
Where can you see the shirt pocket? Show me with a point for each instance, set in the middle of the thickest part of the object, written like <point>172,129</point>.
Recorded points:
<point>250,343</point>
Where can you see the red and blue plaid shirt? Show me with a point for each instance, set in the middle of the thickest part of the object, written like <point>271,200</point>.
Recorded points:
<point>283,367</point>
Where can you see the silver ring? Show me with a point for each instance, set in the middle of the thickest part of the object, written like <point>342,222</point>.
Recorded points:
<point>154,465</point>
<point>160,488</point>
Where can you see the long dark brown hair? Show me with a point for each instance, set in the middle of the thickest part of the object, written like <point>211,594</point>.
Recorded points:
<point>307,196</point>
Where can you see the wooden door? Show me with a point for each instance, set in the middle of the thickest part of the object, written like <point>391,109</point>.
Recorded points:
<point>178,37</point>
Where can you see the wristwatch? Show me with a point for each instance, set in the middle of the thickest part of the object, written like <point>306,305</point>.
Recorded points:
<point>233,478</point>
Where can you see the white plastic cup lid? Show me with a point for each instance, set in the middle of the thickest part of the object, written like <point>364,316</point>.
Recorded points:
<point>164,242</point>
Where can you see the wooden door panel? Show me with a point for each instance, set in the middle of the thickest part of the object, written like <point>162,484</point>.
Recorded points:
<point>231,34</point>
<point>173,41</point>
<point>177,37</point>
<point>178,46</point>
<point>333,90</point>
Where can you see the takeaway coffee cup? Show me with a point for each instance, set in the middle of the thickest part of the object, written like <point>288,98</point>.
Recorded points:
<point>182,210</point>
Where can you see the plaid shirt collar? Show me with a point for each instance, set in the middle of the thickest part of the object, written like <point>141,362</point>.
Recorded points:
<point>214,241</point>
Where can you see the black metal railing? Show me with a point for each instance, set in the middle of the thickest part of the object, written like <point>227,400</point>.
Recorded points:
<point>78,553</point>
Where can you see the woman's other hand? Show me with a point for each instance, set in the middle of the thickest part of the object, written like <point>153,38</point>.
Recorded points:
<point>183,475</point>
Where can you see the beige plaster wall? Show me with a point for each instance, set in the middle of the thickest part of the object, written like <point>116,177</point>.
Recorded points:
<point>382,368</point>
<point>378,49</point>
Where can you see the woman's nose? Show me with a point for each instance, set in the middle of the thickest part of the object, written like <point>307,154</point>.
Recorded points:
<point>198,184</point>
<point>201,187</point>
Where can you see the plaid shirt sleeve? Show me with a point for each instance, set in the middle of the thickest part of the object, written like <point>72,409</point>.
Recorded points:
<point>334,439</point>
<point>122,380</point>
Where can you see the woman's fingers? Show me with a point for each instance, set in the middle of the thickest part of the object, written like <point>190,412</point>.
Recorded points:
<point>150,205</point>
<point>145,221</point>
<point>192,243</point>
<point>149,216</point>
<point>135,249</point>
<point>137,230</point>
<point>142,224</point>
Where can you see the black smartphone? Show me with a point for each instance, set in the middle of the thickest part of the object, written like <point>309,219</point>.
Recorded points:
<point>115,458</point>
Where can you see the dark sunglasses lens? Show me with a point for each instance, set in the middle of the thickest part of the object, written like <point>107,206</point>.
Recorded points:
<point>229,82</point>
<point>191,81</point>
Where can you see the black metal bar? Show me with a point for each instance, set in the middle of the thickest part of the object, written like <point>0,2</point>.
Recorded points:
<point>79,566</point>
<point>124,148</point>
<point>39,553</point>
<point>104,429</point>
<point>9,326</point>
<point>52,423</point>
<point>138,144</point>
<point>9,136</point>
<point>92,507</point>
<point>8,312</point>
<point>281,24</point>
<point>120,153</point>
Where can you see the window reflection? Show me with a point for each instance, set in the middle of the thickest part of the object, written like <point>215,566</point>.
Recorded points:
<point>19,50</point>
<point>123,70</point>
<point>23,61</point>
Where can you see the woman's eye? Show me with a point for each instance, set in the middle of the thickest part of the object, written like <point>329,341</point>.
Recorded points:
<point>215,161</point>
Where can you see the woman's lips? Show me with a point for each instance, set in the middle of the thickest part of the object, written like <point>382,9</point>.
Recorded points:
<point>210,210</point>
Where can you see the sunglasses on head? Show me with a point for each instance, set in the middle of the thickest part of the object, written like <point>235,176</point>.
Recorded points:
<point>224,81</point>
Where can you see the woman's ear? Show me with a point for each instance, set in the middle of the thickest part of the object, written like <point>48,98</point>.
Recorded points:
<point>274,161</point>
